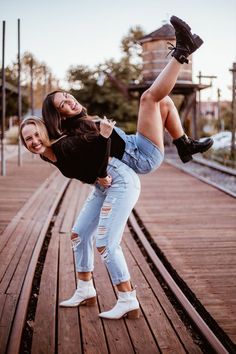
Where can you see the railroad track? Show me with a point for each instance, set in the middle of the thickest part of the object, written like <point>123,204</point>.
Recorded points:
<point>224,179</point>
<point>213,334</point>
<point>210,172</point>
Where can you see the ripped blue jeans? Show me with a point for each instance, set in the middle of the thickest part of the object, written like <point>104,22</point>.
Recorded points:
<point>103,218</point>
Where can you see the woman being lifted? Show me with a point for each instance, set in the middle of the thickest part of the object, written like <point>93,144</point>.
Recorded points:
<point>143,151</point>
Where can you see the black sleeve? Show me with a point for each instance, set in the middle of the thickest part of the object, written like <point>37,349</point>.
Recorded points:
<point>101,153</point>
<point>103,170</point>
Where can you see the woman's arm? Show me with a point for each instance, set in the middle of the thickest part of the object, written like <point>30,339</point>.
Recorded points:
<point>106,128</point>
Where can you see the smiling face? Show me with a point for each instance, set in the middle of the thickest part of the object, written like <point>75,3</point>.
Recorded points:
<point>32,139</point>
<point>66,104</point>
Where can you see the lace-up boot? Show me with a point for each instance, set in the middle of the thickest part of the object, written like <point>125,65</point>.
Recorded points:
<point>187,147</point>
<point>186,42</point>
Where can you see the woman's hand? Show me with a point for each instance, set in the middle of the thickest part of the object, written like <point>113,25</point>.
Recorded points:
<point>106,127</point>
<point>105,182</point>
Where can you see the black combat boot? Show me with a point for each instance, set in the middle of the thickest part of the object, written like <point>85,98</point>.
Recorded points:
<point>186,42</point>
<point>187,147</point>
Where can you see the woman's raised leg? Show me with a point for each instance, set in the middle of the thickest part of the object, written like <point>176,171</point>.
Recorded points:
<point>157,111</point>
<point>150,123</point>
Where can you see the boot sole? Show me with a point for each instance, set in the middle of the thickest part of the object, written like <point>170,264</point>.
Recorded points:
<point>197,41</point>
<point>187,158</point>
<point>88,302</point>
<point>131,315</point>
<point>179,24</point>
<point>207,147</point>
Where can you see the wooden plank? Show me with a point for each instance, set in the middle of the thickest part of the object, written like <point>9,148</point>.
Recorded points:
<point>94,340</point>
<point>117,337</point>
<point>18,323</point>
<point>161,329</point>
<point>28,209</point>
<point>10,255</point>
<point>2,302</point>
<point>14,276</point>
<point>40,221</point>
<point>44,332</point>
<point>7,316</point>
<point>19,185</point>
<point>69,335</point>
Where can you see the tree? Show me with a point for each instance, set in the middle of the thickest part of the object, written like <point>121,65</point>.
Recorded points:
<point>32,72</point>
<point>104,89</point>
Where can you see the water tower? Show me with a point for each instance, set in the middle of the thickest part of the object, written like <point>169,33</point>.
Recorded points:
<point>155,57</point>
<point>155,54</point>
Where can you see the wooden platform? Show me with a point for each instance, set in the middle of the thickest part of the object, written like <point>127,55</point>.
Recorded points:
<point>19,184</point>
<point>194,225</point>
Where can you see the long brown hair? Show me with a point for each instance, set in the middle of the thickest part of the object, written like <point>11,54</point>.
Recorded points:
<point>57,125</point>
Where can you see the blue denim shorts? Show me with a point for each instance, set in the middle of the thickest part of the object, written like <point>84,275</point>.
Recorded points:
<point>141,154</point>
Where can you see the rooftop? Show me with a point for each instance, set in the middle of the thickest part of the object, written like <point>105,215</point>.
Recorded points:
<point>165,32</point>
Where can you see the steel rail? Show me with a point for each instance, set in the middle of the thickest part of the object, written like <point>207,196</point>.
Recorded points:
<point>203,179</point>
<point>193,314</point>
<point>214,165</point>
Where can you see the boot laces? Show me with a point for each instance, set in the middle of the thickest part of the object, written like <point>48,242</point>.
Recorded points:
<point>192,141</point>
<point>171,48</point>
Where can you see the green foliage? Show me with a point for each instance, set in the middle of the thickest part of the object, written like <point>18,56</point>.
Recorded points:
<point>42,77</point>
<point>129,44</point>
<point>226,116</point>
<point>104,89</point>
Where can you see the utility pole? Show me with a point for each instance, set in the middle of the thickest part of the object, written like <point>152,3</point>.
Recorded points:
<point>32,85</point>
<point>199,100</point>
<point>233,111</point>
<point>220,120</point>
<point>44,87</point>
<point>200,77</point>
<point>19,94</point>
<point>3,162</point>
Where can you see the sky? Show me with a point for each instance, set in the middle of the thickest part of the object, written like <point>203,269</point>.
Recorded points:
<point>72,32</point>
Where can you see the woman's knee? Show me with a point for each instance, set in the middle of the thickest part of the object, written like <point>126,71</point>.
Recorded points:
<point>103,251</point>
<point>166,103</point>
<point>75,240</point>
<point>147,97</point>
<point>73,236</point>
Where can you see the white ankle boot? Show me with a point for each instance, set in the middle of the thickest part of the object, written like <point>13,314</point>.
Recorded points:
<point>85,294</point>
<point>127,304</point>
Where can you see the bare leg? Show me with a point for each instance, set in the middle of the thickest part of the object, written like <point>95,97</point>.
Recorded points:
<point>156,111</point>
<point>150,123</point>
<point>170,118</point>
<point>125,286</point>
<point>86,276</point>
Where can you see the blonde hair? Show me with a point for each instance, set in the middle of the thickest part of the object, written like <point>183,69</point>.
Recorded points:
<point>40,127</point>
